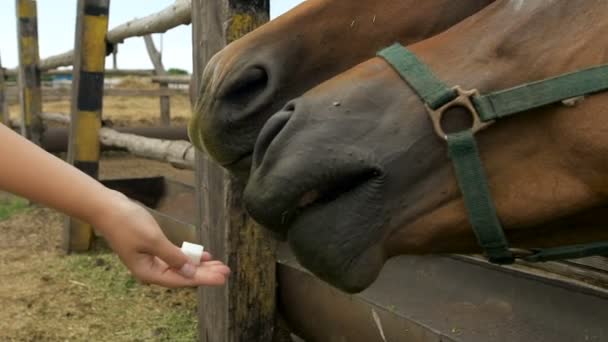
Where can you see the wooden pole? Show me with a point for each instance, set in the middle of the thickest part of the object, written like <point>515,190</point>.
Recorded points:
<point>87,100</point>
<point>245,309</point>
<point>29,74</point>
<point>179,153</point>
<point>4,114</point>
<point>157,61</point>
<point>115,57</point>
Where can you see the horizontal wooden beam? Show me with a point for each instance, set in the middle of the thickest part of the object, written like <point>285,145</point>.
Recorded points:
<point>172,79</point>
<point>54,94</point>
<point>175,15</point>
<point>109,72</point>
<point>55,139</point>
<point>175,152</point>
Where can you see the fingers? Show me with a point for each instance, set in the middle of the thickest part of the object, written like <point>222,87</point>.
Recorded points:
<point>175,258</point>
<point>207,275</point>
<point>155,271</point>
<point>206,257</point>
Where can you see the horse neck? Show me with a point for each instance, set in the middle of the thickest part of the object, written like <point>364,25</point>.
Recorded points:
<point>517,41</point>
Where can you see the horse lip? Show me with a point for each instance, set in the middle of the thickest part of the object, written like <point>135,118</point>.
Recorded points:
<point>290,203</point>
<point>238,160</point>
<point>240,167</point>
<point>316,201</point>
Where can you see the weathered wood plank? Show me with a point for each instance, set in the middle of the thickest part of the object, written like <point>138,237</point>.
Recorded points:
<point>245,309</point>
<point>175,15</point>
<point>109,72</point>
<point>56,94</point>
<point>176,152</point>
<point>156,58</point>
<point>172,79</point>
<point>165,106</point>
<point>87,103</point>
<point>29,74</point>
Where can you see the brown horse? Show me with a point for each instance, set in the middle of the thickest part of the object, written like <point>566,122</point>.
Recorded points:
<point>255,76</point>
<point>354,173</point>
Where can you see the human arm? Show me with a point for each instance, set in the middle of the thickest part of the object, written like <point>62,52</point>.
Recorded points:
<point>28,171</point>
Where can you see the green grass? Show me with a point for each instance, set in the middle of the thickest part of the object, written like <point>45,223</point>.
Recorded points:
<point>10,206</point>
<point>169,316</point>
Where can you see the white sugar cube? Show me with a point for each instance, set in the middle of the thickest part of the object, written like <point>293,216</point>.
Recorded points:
<point>193,251</point>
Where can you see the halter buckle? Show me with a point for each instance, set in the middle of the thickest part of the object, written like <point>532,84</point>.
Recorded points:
<point>464,100</point>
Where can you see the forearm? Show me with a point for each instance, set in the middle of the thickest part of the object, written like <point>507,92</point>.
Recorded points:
<point>28,171</point>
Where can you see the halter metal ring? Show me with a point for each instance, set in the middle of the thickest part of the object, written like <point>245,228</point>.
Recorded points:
<point>463,99</point>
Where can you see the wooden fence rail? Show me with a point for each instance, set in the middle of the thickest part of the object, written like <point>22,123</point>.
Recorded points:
<point>56,94</point>
<point>109,72</point>
<point>172,79</point>
<point>176,152</point>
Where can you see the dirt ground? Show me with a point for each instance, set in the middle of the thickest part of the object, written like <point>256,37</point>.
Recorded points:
<point>48,296</point>
<point>127,111</point>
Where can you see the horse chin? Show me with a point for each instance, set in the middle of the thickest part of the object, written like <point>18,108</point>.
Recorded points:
<point>339,244</point>
<point>352,272</point>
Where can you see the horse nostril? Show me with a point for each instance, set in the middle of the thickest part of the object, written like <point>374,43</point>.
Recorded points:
<point>270,131</point>
<point>246,88</point>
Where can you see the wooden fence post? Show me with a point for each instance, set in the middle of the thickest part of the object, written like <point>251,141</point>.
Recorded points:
<point>4,115</point>
<point>115,56</point>
<point>165,101</point>
<point>245,309</point>
<point>165,106</point>
<point>29,74</point>
<point>87,100</point>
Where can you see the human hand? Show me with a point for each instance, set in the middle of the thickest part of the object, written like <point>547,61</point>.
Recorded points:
<point>139,242</point>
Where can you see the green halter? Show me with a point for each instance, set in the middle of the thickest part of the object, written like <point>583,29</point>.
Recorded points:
<point>463,151</point>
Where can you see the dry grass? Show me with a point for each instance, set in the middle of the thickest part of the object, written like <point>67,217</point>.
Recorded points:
<point>47,296</point>
<point>128,111</point>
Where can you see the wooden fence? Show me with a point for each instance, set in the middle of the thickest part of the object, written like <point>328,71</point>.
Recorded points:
<point>245,310</point>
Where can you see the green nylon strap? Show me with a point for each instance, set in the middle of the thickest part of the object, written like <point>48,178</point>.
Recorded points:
<point>568,252</point>
<point>432,90</point>
<point>541,93</point>
<point>462,151</point>
<point>463,148</point>
<point>477,199</point>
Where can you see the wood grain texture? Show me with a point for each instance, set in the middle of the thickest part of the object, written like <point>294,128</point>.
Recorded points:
<point>244,310</point>
<point>157,61</point>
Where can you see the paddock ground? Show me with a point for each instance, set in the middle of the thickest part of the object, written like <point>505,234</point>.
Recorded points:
<point>48,296</point>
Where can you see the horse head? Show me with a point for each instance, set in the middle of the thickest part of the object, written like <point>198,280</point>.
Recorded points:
<point>354,173</point>
<point>255,76</point>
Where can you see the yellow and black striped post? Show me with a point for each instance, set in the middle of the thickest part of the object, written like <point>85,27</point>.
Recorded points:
<point>29,74</point>
<point>4,116</point>
<point>87,100</point>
